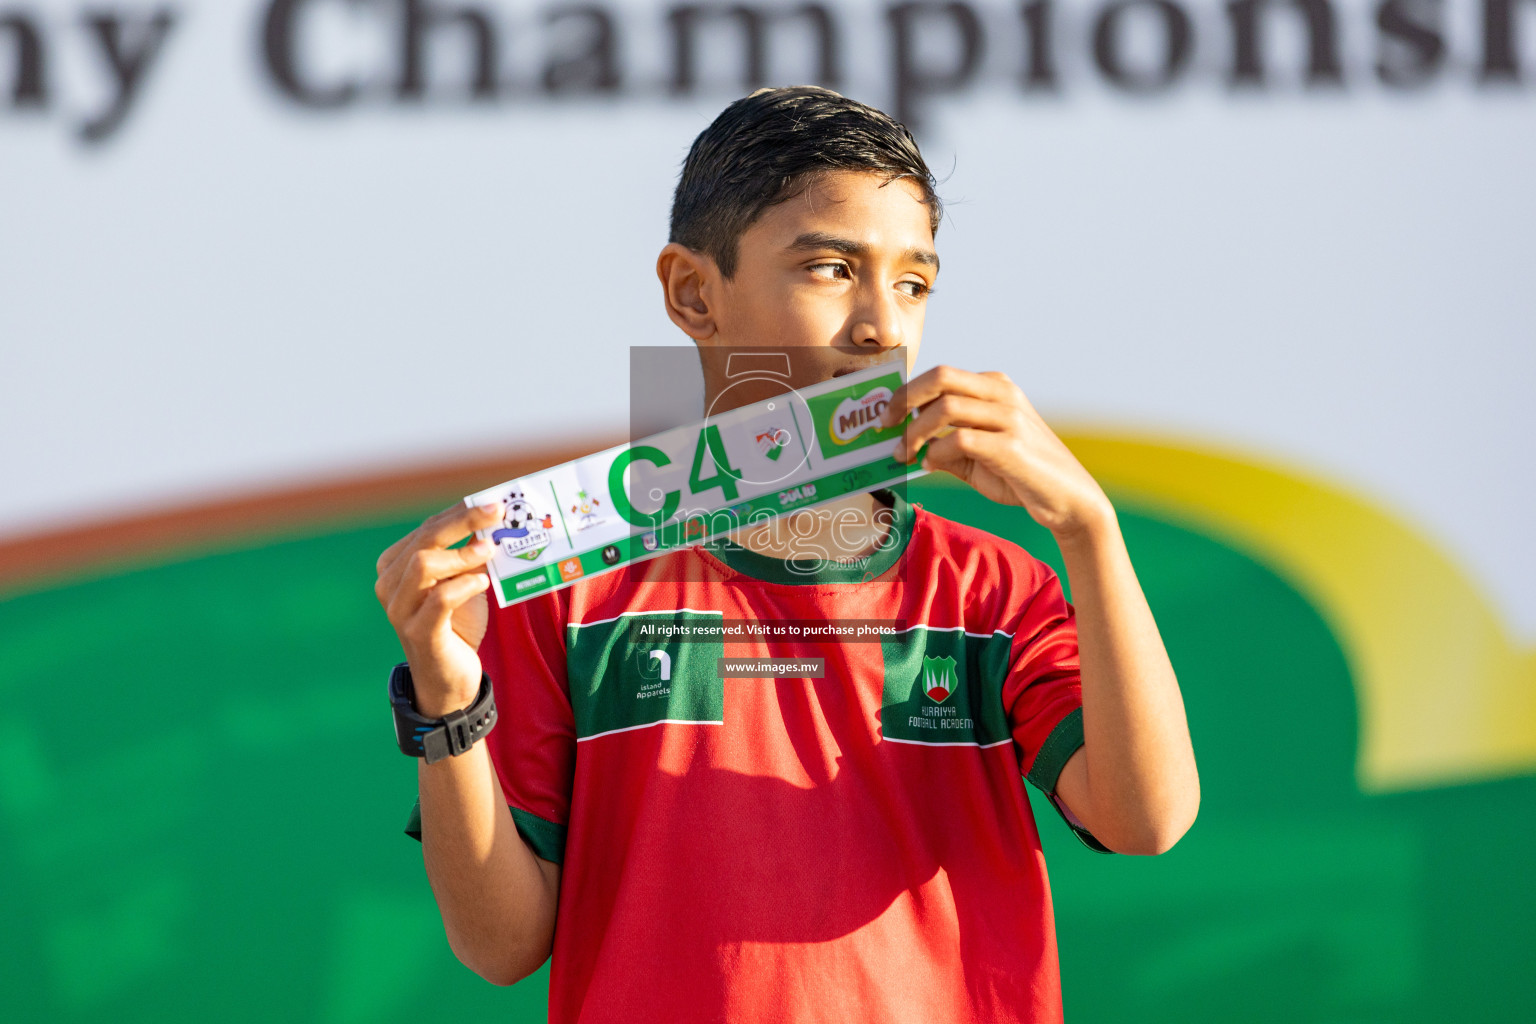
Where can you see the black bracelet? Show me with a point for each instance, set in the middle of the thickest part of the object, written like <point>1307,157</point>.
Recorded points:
<point>436,738</point>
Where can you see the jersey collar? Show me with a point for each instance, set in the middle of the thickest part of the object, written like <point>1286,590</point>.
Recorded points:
<point>809,571</point>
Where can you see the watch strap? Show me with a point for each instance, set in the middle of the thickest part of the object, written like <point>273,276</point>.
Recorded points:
<point>433,739</point>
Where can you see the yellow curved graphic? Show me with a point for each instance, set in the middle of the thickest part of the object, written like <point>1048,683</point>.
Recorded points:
<point>1445,695</point>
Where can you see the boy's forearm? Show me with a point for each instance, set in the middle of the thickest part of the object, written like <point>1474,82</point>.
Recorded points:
<point>496,897</point>
<point>1142,788</point>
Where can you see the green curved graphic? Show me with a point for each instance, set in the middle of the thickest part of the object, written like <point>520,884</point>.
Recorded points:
<point>201,805</point>
<point>1449,694</point>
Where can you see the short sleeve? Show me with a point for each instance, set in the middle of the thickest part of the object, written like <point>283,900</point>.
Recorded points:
<point>533,745</point>
<point>1044,695</point>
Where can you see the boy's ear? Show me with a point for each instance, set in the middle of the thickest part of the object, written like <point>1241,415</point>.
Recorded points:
<point>688,282</point>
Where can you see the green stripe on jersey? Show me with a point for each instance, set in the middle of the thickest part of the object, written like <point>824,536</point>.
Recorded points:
<point>630,672</point>
<point>945,686</point>
<point>547,838</point>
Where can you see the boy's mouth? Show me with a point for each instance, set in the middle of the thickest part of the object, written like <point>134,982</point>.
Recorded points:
<point>844,370</point>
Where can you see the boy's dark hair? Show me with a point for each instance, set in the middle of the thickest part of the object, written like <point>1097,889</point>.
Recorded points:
<point>769,146</point>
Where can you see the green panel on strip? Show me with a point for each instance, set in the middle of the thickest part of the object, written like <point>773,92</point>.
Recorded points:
<point>631,672</point>
<point>944,686</point>
<point>527,584</point>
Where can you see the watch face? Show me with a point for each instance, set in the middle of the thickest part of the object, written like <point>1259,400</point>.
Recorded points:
<point>409,726</point>
<point>400,685</point>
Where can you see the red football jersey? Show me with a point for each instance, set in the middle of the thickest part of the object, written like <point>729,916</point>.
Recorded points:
<point>853,847</point>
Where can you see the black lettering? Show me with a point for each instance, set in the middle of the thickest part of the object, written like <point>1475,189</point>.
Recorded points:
<point>279,47</point>
<point>1412,48</point>
<point>592,68</point>
<point>1040,60</point>
<point>418,19</point>
<point>912,83</point>
<point>27,85</point>
<point>1323,66</point>
<point>753,23</point>
<point>1501,55</point>
<point>128,62</point>
<point>1176,45</point>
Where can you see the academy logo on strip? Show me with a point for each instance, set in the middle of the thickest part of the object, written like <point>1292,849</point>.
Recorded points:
<point>524,533</point>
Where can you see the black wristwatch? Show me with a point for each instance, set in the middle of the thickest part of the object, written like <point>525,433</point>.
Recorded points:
<point>437,738</point>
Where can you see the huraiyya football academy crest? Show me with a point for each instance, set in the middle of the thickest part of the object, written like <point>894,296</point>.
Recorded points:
<point>939,678</point>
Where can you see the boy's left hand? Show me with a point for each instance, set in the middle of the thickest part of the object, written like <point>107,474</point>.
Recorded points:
<point>997,443</point>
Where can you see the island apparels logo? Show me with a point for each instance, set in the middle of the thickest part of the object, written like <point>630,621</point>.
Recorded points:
<point>655,673</point>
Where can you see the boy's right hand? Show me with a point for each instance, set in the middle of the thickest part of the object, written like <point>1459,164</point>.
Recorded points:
<point>435,599</point>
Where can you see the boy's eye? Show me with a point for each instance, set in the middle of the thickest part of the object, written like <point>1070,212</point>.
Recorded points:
<point>830,271</point>
<point>916,289</point>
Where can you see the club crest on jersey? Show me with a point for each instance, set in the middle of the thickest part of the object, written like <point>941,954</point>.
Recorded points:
<point>854,415</point>
<point>523,533</point>
<point>939,678</point>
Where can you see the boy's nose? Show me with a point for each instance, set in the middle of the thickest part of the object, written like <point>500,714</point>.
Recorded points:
<point>877,325</point>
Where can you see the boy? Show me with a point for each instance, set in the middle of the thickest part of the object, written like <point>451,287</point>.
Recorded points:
<point>801,849</point>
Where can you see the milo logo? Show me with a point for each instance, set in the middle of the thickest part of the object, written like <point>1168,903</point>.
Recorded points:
<point>850,418</point>
<point>853,416</point>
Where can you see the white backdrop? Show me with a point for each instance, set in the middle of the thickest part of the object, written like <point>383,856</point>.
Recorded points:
<point>230,292</point>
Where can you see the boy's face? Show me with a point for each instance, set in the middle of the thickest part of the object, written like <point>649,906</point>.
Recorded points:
<point>839,275</point>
